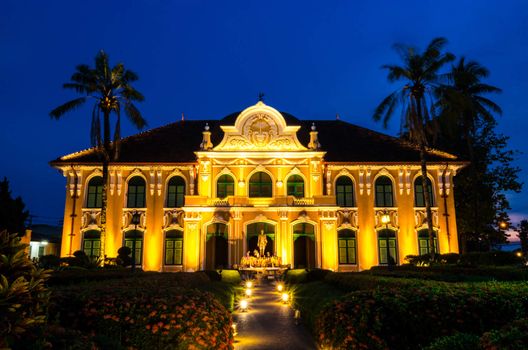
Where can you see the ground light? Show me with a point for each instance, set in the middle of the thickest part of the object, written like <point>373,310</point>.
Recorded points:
<point>243,305</point>
<point>248,292</point>
<point>280,287</point>
<point>249,284</point>
<point>285,297</point>
<point>234,326</point>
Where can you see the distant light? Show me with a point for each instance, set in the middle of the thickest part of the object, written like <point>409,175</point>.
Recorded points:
<point>503,225</point>
<point>243,304</point>
<point>249,284</point>
<point>285,297</point>
<point>385,218</point>
<point>280,287</point>
<point>248,292</point>
<point>519,254</point>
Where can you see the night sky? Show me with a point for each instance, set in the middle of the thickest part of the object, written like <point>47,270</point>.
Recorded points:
<point>207,59</point>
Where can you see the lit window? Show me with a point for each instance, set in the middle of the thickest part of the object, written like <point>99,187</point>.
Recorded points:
<point>134,241</point>
<point>347,246</point>
<point>386,238</point>
<point>419,194</point>
<point>260,185</point>
<point>225,186</point>
<point>174,247</point>
<point>136,192</point>
<point>92,243</point>
<point>176,192</point>
<point>94,193</point>
<point>344,192</point>
<point>295,186</point>
<point>384,192</point>
<point>423,242</point>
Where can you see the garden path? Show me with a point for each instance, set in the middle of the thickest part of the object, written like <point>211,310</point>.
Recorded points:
<point>269,324</point>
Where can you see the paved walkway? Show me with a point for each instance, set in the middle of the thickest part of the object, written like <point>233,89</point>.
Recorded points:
<point>269,324</point>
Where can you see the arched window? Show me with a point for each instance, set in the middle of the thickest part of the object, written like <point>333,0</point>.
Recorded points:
<point>134,240</point>
<point>423,242</point>
<point>260,185</point>
<point>387,238</point>
<point>216,246</point>
<point>419,194</point>
<point>92,243</point>
<point>383,189</point>
<point>174,247</point>
<point>347,246</point>
<point>225,186</point>
<point>94,193</point>
<point>176,192</point>
<point>136,192</point>
<point>295,186</point>
<point>344,192</point>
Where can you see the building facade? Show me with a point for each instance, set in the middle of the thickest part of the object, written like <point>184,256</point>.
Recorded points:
<point>198,194</point>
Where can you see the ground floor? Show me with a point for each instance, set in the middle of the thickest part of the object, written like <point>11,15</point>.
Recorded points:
<point>340,240</point>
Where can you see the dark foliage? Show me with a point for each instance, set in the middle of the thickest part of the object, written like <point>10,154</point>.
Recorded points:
<point>13,214</point>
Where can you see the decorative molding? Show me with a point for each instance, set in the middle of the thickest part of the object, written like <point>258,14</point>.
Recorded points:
<point>408,180</point>
<point>393,214</point>
<point>260,128</point>
<point>90,219</point>
<point>348,218</point>
<point>112,182</point>
<point>369,184</point>
<point>127,219</point>
<point>72,183</point>
<point>400,180</point>
<point>173,218</point>
<point>159,184</point>
<point>328,181</point>
<point>361,180</point>
<point>420,217</point>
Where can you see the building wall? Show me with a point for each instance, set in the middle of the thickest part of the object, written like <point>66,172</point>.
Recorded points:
<point>202,208</point>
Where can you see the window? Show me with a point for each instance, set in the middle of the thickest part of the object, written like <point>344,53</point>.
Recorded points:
<point>387,238</point>
<point>176,192</point>
<point>384,192</point>
<point>174,247</point>
<point>423,242</point>
<point>347,246</point>
<point>136,192</point>
<point>344,192</point>
<point>41,250</point>
<point>295,186</point>
<point>94,196</point>
<point>260,185</point>
<point>134,241</point>
<point>419,194</point>
<point>225,186</point>
<point>92,243</point>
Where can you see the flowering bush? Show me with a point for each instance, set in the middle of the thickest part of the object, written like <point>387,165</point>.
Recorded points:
<point>149,312</point>
<point>406,318</point>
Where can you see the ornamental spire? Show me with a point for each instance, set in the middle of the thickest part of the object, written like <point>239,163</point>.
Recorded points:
<point>206,144</point>
<point>314,141</point>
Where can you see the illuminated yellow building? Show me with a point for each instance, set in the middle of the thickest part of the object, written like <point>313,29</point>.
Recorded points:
<point>203,191</point>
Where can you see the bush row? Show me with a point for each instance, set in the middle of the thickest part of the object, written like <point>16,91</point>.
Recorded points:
<point>493,258</point>
<point>405,318</point>
<point>513,336</point>
<point>148,311</point>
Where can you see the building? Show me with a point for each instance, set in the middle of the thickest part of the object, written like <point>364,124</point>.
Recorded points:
<point>43,240</point>
<point>203,191</point>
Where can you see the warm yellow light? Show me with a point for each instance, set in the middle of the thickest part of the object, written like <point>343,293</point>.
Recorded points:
<point>503,225</point>
<point>248,292</point>
<point>241,183</point>
<point>234,326</point>
<point>285,297</point>
<point>280,287</point>
<point>249,284</point>
<point>519,254</point>
<point>385,219</point>
<point>243,305</point>
<point>279,183</point>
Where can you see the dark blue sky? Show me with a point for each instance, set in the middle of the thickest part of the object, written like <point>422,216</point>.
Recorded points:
<point>209,58</point>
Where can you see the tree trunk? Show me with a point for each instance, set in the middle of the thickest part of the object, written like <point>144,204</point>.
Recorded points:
<point>425,186</point>
<point>104,195</point>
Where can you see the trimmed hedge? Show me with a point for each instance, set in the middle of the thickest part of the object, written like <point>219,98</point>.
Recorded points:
<point>405,318</point>
<point>493,258</point>
<point>459,341</point>
<point>513,336</point>
<point>148,311</point>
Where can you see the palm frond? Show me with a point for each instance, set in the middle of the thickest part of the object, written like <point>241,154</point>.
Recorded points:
<point>131,94</point>
<point>386,108</point>
<point>67,107</point>
<point>489,104</point>
<point>134,115</point>
<point>396,72</point>
<point>117,134</point>
<point>95,130</point>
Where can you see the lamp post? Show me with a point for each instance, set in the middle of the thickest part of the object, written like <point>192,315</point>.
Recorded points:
<point>136,217</point>
<point>385,219</point>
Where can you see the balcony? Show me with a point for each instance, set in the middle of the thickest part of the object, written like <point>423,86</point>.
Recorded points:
<point>242,201</point>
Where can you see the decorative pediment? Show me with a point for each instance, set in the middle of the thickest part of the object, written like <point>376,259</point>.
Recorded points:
<point>260,128</point>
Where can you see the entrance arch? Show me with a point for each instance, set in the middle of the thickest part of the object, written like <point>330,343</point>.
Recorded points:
<point>304,245</point>
<point>216,247</point>
<point>252,232</point>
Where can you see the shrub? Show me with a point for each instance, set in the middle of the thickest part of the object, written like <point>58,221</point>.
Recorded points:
<point>146,311</point>
<point>494,258</point>
<point>405,318</point>
<point>458,341</point>
<point>213,275</point>
<point>23,294</point>
<point>231,276</point>
<point>49,261</point>
<point>513,336</point>
<point>316,275</point>
<point>295,276</point>
<point>123,257</point>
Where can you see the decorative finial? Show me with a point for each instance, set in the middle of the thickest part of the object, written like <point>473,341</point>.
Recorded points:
<point>313,127</point>
<point>183,117</point>
<point>206,127</point>
<point>337,116</point>
<point>261,97</point>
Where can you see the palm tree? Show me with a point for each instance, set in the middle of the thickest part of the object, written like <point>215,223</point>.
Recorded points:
<point>111,91</point>
<point>463,109</point>
<point>420,75</point>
